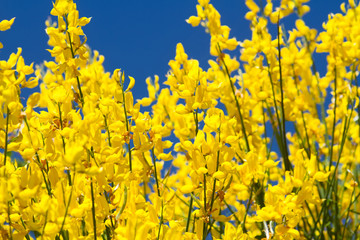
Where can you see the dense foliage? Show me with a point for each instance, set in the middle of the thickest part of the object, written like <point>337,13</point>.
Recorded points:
<point>212,158</point>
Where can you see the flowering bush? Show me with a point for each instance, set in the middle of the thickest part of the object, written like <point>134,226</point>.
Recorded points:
<point>91,163</point>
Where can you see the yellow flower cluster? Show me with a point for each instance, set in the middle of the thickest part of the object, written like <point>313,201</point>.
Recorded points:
<point>91,164</point>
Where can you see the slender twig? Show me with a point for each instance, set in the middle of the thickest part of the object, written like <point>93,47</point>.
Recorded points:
<point>93,207</point>
<point>332,183</point>
<point>348,213</point>
<point>322,101</point>
<point>73,56</point>
<point>176,195</point>
<point>265,131</point>
<point>334,120</point>
<point>63,141</point>
<point>196,119</point>
<point>214,184</point>
<point>122,208</point>
<point>9,219</point>
<point>126,121</point>
<point>155,172</point>
<point>161,219</point>
<point>308,150</point>
<point>236,99</point>
<point>47,183</point>
<point>232,211</point>
<point>204,224</point>
<point>61,126</point>
<point>107,130</point>
<point>278,134</point>
<point>288,166</point>
<point>247,208</point>
<point>67,205</point>
<point>45,222</point>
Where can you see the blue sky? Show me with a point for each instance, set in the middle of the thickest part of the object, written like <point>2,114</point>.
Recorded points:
<point>137,36</point>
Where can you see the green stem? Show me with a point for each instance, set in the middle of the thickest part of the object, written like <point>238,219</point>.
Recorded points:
<point>334,121</point>
<point>176,195</point>
<point>161,219</point>
<point>236,100</point>
<point>191,199</point>
<point>322,101</point>
<point>123,204</point>
<point>126,121</point>
<point>358,106</point>
<point>23,224</point>
<point>196,121</point>
<point>278,134</point>
<point>287,163</point>
<point>332,183</point>
<point>43,230</point>
<point>232,212</point>
<point>348,213</point>
<point>107,130</point>
<point>214,184</point>
<point>93,208</point>
<point>47,183</point>
<point>300,140</point>
<point>155,172</point>
<point>247,209</point>
<point>193,228</point>
<point>73,56</point>
<point>265,132</point>
<point>63,141</point>
<point>205,213</point>
<point>306,135</point>
<point>221,224</point>
<point>189,214</point>
<point>67,205</point>
<point>308,150</point>
<point>304,229</point>
<point>61,126</point>
<point>310,211</point>
<point>10,230</point>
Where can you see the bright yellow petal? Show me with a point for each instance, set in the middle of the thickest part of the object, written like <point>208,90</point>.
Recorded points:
<point>194,21</point>
<point>131,84</point>
<point>6,24</point>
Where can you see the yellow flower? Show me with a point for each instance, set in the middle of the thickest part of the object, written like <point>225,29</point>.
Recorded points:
<point>6,24</point>
<point>194,21</point>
